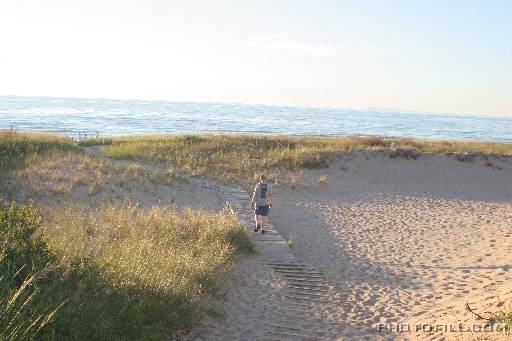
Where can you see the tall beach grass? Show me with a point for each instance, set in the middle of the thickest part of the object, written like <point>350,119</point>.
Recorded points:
<point>116,272</point>
<point>17,149</point>
<point>231,157</point>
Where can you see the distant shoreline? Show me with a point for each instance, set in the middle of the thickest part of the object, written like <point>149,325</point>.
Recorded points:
<point>69,116</point>
<point>92,135</point>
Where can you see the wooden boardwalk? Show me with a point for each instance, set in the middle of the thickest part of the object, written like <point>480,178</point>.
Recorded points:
<point>306,289</point>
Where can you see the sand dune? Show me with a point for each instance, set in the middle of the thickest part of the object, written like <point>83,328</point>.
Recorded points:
<point>404,241</point>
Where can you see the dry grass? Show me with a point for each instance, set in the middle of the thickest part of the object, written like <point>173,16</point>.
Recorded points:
<point>294,180</point>
<point>292,241</point>
<point>239,158</point>
<point>322,180</point>
<point>158,249</point>
<point>505,319</point>
<point>63,176</point>
<point>117,272</point>
<point>18,149</point>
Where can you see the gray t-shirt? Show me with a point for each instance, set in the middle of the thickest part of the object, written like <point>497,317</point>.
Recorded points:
<point>262,192</point>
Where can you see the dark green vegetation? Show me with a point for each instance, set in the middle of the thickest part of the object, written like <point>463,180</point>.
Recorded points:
<point>24,260</point>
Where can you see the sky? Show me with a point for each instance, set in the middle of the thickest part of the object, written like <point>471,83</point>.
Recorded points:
<point>433,56</point>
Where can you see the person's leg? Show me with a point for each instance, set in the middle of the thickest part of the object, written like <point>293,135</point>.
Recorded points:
<point>262,223</point>
<point>263,219</point>
<point>257,220</point>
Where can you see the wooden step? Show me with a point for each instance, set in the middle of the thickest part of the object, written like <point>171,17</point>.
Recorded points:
<point>308,287</point>
<point>306,276</point>
<point>307,294</point>
<point>310,299</point>
<point>298,271</point>
<point>304,281</point>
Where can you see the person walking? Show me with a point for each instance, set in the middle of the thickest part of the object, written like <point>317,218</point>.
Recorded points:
<point>261,203</point>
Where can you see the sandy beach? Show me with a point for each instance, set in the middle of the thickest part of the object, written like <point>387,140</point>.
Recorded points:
<point>379,245</point>
<point>402,241</point>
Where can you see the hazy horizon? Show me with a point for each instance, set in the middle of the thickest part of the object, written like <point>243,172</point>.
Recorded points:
<point>376,109</point>
<point>70,116</point>
<point>435,57</point>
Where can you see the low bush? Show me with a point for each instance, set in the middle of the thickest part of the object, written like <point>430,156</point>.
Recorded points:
<point>25,261</point>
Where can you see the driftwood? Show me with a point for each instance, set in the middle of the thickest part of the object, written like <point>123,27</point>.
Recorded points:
<point>468,308</point>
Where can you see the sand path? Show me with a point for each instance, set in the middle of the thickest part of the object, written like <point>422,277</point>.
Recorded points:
<point>274,295</point>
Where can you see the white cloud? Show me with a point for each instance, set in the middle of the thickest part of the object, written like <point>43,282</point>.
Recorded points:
<point>293,43</point>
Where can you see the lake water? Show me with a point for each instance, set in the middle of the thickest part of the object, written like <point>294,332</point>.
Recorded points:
<point>70,116</point>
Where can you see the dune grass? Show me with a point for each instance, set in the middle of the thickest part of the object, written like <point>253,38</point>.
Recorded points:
<point>231,158</point>
<point>95,141</point>
<point>19,149</point>
<point>21,315</point>
<point>66,176</point>
<point>116,272</point>
<point>158,263</point>
<point>505,319</point>
<point>187,250</point>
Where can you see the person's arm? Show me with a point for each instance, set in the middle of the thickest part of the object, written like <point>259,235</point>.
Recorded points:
<point>253,197</point>
<point>270,197</point>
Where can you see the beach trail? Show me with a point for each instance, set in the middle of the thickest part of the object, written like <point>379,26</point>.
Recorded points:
<point>273,295</point>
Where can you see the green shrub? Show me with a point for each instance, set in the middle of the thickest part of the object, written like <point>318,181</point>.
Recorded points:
<point>25,262</point>
<point>22,249</point>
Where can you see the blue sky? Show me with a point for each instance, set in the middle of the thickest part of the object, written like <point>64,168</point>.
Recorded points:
<point>439,56</point>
